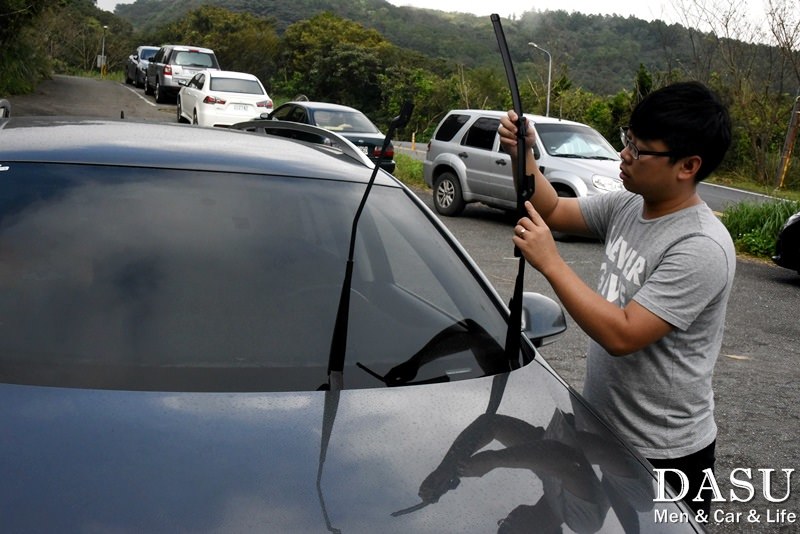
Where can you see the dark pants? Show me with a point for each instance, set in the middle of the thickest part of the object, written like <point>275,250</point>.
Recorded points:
<point>692,466</point>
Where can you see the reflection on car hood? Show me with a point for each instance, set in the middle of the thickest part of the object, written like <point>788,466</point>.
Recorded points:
<point>514,450</point>
<point>581,166</point>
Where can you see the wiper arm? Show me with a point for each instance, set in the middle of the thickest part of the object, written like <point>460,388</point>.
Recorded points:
<point>524,188</point>
<point>458,337</point>
<point>339,338</point>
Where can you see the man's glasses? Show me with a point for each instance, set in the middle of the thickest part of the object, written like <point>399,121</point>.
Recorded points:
<point>634,150</point>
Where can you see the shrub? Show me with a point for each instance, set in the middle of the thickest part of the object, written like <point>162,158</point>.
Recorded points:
<point>754,227</point>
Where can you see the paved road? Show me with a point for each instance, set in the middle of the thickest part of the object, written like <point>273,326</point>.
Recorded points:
<point>757,379</point>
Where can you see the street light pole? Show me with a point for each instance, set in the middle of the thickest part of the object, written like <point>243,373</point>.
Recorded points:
<point>103,54</point>
<point>549,74</point>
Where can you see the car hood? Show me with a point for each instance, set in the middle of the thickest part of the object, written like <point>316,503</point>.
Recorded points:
<point>584,167</point>
<point>503,452</point>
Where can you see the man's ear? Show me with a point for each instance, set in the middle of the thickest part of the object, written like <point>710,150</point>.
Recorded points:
<point>689,167</point>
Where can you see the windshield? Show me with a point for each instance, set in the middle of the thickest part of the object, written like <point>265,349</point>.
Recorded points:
<point>573,140</point>
<point>344,121</point>
<point>194,59</point>
<point>129,278</point>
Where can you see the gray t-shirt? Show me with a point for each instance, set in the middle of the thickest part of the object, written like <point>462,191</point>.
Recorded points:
<point>680,267</point>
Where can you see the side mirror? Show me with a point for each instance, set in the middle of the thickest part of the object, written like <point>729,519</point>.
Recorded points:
<point>543,319</point>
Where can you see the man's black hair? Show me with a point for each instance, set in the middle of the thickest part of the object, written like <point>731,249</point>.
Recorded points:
<point>690,119</point>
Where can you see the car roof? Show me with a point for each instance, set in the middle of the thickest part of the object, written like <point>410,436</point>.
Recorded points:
<point>321,105</point>
<point>540,119</point>
<point>230,74</point>
<point>120,142</point>
<point>188,48</point>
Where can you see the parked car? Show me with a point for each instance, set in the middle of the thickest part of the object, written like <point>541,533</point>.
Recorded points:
<point>5,108</point>
<point>167,316</point>
<point>464,162</point>
<point>136,65</point>
<point>221,98</point>
<point>173,64</point>
<point>349,122</point>
<point>787,246</point>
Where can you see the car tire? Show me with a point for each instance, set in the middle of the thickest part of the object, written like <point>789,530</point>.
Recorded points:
<point>194,117</point>
<point>147,89</point>
<point>447,197</point>
<point>159,93</point>
<point>179,111</point>
<point>128,79</point>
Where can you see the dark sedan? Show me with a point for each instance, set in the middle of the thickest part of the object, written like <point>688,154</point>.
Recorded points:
<point>348,122</point>
<point>167,315</point>
<point>136,65</point>
<point>787,246</point>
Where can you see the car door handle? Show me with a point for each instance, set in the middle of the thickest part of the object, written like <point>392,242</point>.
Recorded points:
<point>501,162</point>
<point>463,155</point>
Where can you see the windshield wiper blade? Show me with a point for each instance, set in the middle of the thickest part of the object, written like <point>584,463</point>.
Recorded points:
<point>524,188</point>
<point>339,338</point>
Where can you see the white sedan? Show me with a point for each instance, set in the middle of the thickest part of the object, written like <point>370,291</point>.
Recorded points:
<point>222,98</point>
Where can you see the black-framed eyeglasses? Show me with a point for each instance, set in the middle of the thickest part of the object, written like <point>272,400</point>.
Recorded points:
<point>634,150</point>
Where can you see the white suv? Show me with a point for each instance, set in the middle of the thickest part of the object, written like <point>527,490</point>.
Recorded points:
<point>465,163</point>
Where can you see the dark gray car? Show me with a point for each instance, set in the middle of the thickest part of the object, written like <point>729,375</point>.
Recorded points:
<point>167,314</point>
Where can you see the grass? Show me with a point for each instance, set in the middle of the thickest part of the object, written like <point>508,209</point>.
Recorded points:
<point>754,227</point>
<point>409,171</point>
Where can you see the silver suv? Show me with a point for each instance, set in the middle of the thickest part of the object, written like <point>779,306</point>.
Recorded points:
<point>465,163</point>
<point>173,66</point>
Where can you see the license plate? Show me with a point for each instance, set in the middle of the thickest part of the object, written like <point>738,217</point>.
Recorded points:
<point>364,149</point>
<point>241,107</point>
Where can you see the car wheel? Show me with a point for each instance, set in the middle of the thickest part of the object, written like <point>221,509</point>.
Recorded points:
<point>128,79</point>
<point>194,117</point>
<point>159,93</point>
<point>179,111</point>
<point>447,197</point>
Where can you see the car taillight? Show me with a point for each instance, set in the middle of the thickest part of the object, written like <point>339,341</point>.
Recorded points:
<point>167,70</point>
<point>213,100</point>
<point>388,154</point>
<point>265,104</point>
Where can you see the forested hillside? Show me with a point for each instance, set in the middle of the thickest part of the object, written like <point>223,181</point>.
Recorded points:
<point>600,54</point>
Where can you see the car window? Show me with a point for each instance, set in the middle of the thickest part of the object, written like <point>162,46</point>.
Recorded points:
<point>344,121</point>
<point>450,126</point>
<point>137,278</point>
<point>482,133</point>
<point>235,85</point>
<point>147,54</point>
<point>575,140</point>
<point>193,59</point>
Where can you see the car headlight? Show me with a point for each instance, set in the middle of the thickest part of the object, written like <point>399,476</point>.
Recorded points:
<point>606,183</point>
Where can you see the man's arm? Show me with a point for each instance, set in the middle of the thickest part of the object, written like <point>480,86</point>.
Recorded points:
<point>619,331</point>
<point>561,214</point>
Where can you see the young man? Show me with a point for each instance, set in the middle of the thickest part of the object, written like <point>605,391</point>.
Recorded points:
<point>657,318</point>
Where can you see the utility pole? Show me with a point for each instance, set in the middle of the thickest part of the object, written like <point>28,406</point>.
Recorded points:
<point>788,145</point>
